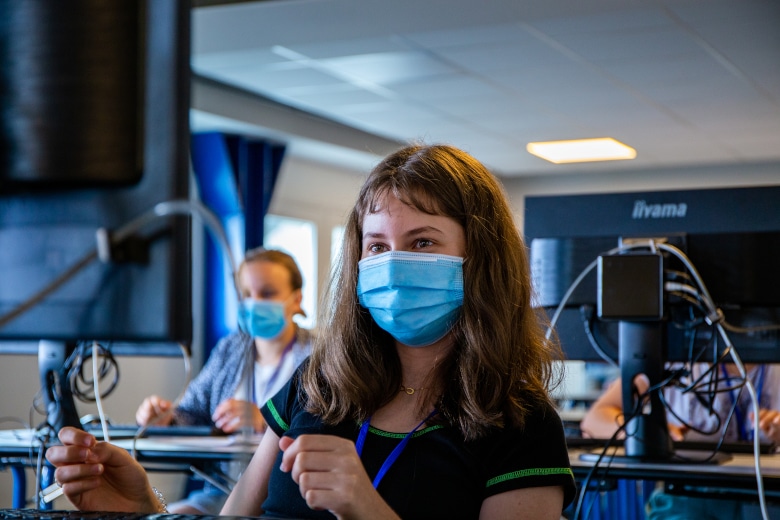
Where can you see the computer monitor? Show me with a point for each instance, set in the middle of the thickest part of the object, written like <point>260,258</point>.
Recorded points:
<point>731,236</point>
<point>95,133</point>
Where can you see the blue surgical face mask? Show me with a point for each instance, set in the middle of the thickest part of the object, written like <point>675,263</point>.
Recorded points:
<point>261,319</point>
<point>416,297</point>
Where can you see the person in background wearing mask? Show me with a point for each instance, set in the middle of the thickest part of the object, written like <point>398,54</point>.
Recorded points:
<point>270,284</point>
<point>427,391</point>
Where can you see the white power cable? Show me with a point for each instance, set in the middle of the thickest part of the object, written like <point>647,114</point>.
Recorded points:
<point>569,292</point>
<point>96,386</point>
<point>714,317</point>
<point>182,207</point>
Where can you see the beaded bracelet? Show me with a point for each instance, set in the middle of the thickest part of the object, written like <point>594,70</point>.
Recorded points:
<point>162,506</point>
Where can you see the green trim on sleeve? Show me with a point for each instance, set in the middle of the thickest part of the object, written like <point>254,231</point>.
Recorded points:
<point>271,408</point>
<point>532,472</point>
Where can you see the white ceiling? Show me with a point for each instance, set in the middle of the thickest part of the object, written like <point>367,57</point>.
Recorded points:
<point>685,82</point>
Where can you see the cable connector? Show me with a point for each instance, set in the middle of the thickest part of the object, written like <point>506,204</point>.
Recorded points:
<point>132,249</point>
<point>681,287</point>
<point>715,317</point>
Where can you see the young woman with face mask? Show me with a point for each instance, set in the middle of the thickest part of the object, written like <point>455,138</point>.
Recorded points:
<point>270,284</point>
<point>426,395</point>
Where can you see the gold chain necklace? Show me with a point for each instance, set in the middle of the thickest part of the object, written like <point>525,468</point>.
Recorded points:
<point>409,390</point>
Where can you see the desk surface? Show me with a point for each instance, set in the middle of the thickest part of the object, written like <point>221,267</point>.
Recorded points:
<point>736,473</point>
<point>20,444</point>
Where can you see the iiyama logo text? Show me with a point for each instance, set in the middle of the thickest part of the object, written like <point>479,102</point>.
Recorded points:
<point>644,210</point>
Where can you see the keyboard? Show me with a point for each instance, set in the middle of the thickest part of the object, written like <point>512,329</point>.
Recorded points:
<point>40,514</point>
<point>728,447</point>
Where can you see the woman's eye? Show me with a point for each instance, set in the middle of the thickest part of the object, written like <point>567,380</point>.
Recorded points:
<point>423,243</point>
<point>376,248</point>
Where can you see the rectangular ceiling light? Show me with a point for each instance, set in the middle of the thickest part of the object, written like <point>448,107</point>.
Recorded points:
<point>582,150</point>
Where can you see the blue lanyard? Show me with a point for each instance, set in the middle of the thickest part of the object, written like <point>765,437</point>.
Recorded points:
<point>745,433</point>
<point>390,460</point>
<point>275,374</point>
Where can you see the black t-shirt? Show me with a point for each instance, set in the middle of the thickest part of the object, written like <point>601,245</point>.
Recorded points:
<point>438,474</point>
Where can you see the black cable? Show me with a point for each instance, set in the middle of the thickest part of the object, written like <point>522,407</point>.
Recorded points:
<point>586,312</point>
<point>36,298</point>
<point>597,464</point>
<point>77,375</point>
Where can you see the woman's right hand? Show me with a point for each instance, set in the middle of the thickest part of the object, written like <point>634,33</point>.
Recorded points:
<point>152,409</point>
<point>98,476</point>
<point>331,476</point>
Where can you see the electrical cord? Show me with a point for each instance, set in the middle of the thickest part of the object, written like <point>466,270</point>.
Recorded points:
<point>36,298</point>
<point>565,298</point>
<point>162,209</point>
<point>699,296</point>
<point>104,242</point>
<point>96,390</point>
<point>597,466</point>
<point>77,374</point>
<point>586,312</point>
<point>715,317</point>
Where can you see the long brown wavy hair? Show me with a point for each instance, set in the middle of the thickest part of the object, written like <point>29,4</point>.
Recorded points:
<point>501,363</point>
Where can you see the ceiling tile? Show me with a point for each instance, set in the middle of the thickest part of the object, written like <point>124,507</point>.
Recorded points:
<point>387,68</point>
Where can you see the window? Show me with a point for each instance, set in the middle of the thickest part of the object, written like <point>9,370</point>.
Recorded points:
<point>298,238</point>
<point>336,238</point>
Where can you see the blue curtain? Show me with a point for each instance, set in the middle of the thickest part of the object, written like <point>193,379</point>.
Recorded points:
<point>236,176</point>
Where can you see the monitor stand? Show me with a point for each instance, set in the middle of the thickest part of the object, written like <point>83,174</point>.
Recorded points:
<point>60,405</point>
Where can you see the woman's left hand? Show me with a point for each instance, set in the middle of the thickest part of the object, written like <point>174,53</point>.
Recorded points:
<point>233,414</point>
<point>331,476</point>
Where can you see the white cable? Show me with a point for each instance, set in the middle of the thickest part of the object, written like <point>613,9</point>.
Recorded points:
<point>755,401</point>
<point>182,207</point>
<point>681,287</point>
<point>715,317</point>
<point>96,387</point>
<point>715,314</point>
<point>195,209</point>
<point>103,251</point>
<point>569,292</point>
<point>634,245</point>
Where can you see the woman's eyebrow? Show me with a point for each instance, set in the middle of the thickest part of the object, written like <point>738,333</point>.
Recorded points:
<point>423,230</point>
<point>373,235</point>
<point>411,232</point>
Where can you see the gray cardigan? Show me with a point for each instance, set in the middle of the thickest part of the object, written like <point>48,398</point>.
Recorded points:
<point>222,374</point>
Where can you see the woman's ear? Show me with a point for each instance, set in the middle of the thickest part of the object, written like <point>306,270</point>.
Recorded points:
<point>297,299</point>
